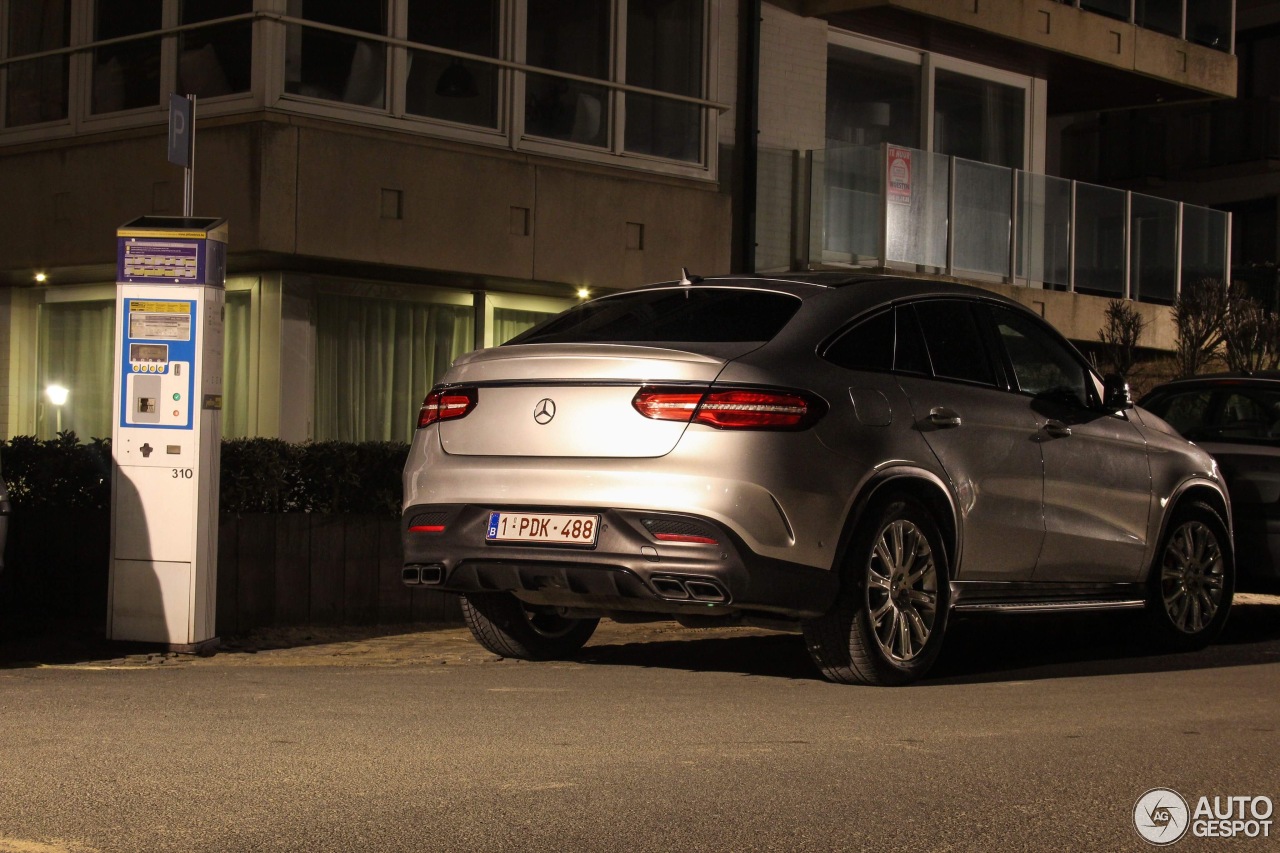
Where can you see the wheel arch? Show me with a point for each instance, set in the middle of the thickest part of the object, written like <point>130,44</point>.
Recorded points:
<point>903,481</point>
<point>1193,491</point>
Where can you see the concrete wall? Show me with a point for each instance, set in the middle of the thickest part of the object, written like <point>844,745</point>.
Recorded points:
<point>1080,316</point>
<point>325,190</point>
<point>1062,28</point>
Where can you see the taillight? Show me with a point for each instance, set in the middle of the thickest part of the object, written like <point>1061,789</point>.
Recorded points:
<point>667,404</point>
<point>446,404</point>
<point>730,409</point>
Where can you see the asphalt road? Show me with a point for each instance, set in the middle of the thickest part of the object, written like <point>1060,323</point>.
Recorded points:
<point>1032,735</point>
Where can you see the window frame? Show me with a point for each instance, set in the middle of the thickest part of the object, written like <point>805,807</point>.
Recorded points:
<point>267,89</point>
<point>991,354</point>
<point>1034,106</point>
<point>1006,364</point>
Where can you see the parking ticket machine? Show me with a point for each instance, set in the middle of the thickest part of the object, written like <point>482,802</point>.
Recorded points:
<point>167,431</point>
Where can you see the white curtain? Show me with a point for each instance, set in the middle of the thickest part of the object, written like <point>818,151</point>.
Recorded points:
<point>235,365</point>
<point>76,351</point>
<point>509,322</point>
<point>375,361</point>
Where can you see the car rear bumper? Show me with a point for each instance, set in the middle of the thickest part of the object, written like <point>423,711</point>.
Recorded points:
<point>629,569</point>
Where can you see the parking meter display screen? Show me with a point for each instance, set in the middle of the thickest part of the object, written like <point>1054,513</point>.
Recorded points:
<point>148,352</point>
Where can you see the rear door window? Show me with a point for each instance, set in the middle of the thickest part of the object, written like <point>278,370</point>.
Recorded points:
<point>954,340</point>
<point>670,315</point>
<point>890,340</point>
<point>867,346</point>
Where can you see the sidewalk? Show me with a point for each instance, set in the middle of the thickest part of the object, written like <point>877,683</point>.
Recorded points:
<point>418,644</point>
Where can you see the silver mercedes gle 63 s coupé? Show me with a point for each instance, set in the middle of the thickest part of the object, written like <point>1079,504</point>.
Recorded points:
<point>859,457</point>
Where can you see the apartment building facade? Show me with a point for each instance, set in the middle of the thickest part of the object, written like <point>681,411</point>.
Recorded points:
<point>399,187</point>
<point>405,180</point>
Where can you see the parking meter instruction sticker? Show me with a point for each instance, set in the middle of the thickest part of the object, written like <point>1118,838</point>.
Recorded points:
<point>169,321</point>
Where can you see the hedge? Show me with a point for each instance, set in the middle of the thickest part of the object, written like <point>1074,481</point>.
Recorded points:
<point>259,475</point>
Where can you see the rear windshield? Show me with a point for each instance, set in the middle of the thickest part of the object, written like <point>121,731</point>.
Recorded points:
<point>689,315</point>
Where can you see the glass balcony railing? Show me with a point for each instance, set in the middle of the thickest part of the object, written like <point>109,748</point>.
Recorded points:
<point>892,207</point>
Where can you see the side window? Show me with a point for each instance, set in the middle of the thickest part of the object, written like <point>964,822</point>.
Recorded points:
<point>910,354</point>
<point>1042,365</point>
<point>867,346</point>
<point>954,341</point>
<point>1186,413</point>
<point>1245,416</point>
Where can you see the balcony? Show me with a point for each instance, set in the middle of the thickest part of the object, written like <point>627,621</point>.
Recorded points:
<point>1169,142</point>
<point>889,207</point>
<point>1095,54</point>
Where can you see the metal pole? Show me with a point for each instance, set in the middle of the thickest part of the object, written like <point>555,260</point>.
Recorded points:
<point>1128,244</point>
<point>1013,229</point>
<point>884,205</point>
<point>951,215</point>
<point>1177,261</point>
<point>189,173</point>
<point>1071,240</point>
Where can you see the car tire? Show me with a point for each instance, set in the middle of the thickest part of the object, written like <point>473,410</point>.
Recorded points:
<point>507,626</point>
<point>1192,582</point>
<point>887,625</point>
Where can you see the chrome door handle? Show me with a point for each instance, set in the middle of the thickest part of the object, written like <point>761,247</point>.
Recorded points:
<point>941,416</point>
<point>1057,429</point>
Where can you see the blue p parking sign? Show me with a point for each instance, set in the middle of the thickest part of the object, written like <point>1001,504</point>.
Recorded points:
<point>180,131</point>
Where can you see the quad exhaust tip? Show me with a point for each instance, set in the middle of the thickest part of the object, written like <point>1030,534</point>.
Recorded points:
<point>689,589</point>
<point>428,575</point>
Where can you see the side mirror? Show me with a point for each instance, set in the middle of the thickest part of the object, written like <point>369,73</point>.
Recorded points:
<point>1115,393</point>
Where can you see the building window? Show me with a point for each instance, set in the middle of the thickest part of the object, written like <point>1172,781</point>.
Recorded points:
<point>236,364</point>
<point>570,36</point>
<point>979,119</point>
<point>214,60</point>
<point>664,52</point>
<point>377,358</point>
<point>522,73</point>
<point>335,66</point>
<point>872,99</point>
<point>876,94</point>
<point>36,90</point>
<point>126,75</point>
<point>450,88</point>
<point>76,346</point>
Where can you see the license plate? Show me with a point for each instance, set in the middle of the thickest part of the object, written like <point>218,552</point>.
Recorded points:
<point>543,527</point>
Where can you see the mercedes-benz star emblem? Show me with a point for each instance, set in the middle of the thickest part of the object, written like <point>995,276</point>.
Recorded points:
<point>545,410</point>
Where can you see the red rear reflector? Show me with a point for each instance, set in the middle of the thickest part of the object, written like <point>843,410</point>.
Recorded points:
<point>685,537</point>
<point>427,528</point>
<point>446,404</point>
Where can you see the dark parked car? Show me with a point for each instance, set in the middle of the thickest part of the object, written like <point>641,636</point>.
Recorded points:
<point>857,456</point>
<point>1236,418</point>
<point>4,518</point>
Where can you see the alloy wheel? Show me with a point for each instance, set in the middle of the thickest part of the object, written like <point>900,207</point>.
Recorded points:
<point>902,590</point>
<point>1192,577</point>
